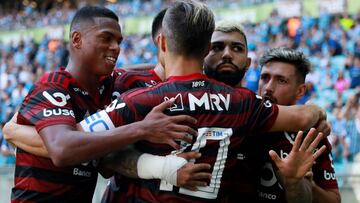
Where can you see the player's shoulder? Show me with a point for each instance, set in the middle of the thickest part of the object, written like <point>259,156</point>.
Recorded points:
<point>59,78</point>
<point>126,75</point>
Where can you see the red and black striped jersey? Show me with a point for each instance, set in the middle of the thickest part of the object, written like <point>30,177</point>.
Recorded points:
<point>126,81</point>
<point>248,166</point>
<point>269,188</point>
<point>225,115</point>
<point>57,99</point>
<point>135,79</point>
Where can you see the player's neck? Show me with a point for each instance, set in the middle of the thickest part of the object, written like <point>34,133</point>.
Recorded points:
<point>84,78</point>
<point>180,65</point>
<point>160,72</point>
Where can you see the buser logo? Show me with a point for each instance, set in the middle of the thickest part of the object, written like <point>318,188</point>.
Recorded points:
<point>57,95</point>
<point>58,112</point>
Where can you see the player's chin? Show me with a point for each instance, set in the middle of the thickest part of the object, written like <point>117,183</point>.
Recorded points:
<point>108,68</point>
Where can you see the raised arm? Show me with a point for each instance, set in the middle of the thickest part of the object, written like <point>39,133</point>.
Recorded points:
<point>292,169</point>
<point>325,196</point>
<point>298,117</point>
<point>24,137</point>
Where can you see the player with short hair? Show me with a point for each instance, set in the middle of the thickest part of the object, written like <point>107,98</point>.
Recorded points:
<point>282,80</point>
<point>211,102</point>
<point>62,98</point>
<point>228,59</point>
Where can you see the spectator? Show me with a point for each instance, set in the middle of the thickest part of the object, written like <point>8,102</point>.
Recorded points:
<point>355,72</point>
<point>341,83</point>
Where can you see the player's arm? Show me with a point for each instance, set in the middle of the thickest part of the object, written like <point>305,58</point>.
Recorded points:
<point>298,117</point>
<point>325,196</point>
<point>24,137</point>
<point>174,169</point>
<point>292,169</point>
<point>67,146</point>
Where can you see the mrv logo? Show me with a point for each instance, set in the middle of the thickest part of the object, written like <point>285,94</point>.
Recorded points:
<point>213,102</point>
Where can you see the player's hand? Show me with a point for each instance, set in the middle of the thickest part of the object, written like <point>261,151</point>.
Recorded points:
<point>166,129</point>
<point>191,175</point>
<point>294,167</point>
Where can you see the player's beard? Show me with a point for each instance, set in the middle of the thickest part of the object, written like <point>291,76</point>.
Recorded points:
<point>228,77</point>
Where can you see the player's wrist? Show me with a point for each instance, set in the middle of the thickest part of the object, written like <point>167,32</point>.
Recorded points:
<point>159,167</point>
<point>140,130</point>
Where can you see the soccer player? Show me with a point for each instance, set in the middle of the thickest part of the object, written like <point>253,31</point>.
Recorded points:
<point>130,80</point>
<point>229,46</point>
<point>283,72</point>
<point>225,115</point>
<point>188,176</point>
<point>61,99</point>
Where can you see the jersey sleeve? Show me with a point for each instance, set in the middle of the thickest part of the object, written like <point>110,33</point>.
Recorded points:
<point>262,114</point>
<point>48,104</point>
<point>323,169</point>
<point>118,113</point>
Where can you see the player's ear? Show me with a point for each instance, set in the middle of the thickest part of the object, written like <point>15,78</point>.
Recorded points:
<point>301,91</point>
<point>162,42</point>
<point>76,39</point>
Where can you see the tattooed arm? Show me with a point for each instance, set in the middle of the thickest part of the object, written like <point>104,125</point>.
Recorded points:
<point>123,162</point>
<point>134,164</point>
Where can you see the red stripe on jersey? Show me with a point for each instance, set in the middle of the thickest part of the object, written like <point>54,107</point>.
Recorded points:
<point>24,159</point>
<point>22,201</point>
<point>41,186</point>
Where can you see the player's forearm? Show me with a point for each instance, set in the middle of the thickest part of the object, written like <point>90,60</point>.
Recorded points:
<point>297,117</point>
<point>312,115</point>
<point>325,196</point>
<point>26,138</point>
<point>123,162</point>
<point>32,149</point>
<point>70,147</point>
<point>300,192</point>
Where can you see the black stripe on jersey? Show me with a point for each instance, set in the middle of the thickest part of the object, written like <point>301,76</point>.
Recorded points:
<point>62,77</point>
<point>51,176</point>
<point>28,195</point>
<point>50,77</point>
<point>56,77</point>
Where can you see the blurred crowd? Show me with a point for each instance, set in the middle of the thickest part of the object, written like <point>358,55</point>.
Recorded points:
<point>33,15</point>
<point>332,42</point>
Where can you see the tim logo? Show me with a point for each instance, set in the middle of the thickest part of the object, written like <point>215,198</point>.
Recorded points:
<point>217,133</point>
<point>58,98</point>
<point>178,104</point>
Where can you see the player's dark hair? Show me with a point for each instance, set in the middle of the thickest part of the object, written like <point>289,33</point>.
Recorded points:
<point>188,26</point>
<point>287,55</point>
<point>87,13</point>
<point>157,24</point>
